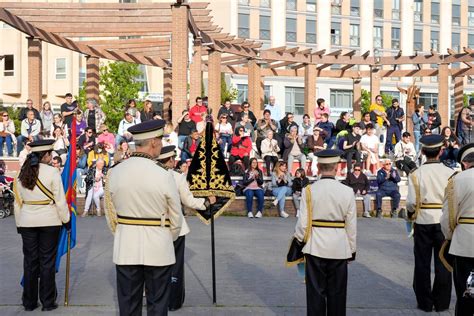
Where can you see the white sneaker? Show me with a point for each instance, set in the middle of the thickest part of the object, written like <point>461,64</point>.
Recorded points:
<point>366,215</point>
<point>250,215</point>
<point>284,214</point>
<point>258,215</point>
<point>275,202</point>
<point>297,213</point>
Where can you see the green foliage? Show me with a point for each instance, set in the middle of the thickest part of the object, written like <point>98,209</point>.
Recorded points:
<point>118,85</point>
<point>466,98</point>
<point>365,101</point>
<point>227,92</point>
<point>13,113</point>
<point>81,97</point>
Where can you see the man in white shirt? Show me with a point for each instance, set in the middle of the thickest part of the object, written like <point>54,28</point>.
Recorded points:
<point>122,133</point>
<point>274,109</point>
<point>30,129</point>
<point>370,145</point>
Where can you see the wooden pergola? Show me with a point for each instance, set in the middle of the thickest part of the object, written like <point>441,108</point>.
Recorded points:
<point>157,34</point>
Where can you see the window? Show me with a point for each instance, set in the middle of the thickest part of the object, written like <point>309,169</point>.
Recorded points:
<point>393,94</point>
<point>418,8</point>
<point>336,7</point>
<point>290,30</point>
<point>395,38</point>
<point>378,9</point>
<point>456,14</point>
<point>142,78</point>
<point>470,16</point>
<point>428,99</point>
<point>355,7</point>
<point>265,32</point>
<point>378,37</point>
<point>470,40</point>
<point>311,5</point>
<point>291,5</point>
<point>341,100</point>
<point>434,78</point>
<point>82,76</point>
<point>265,3</point>
<point>435,12</point>
<point>396,9</point>
<point>244,2</point>
<point>355,35</point>
<point>294,99</point>
<point>335,33</point>
<point>435,40</point>
<point>456,41</point>
<point>242,94</point>
<point>9,66</point>
<point>418,40</point>
<point>311,31</point>
<point>244,31</point>
<point>60,68</point>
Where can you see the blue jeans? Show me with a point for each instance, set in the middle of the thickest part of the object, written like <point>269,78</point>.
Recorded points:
<point>394,194</point>
<point>6,139</point>
<point>181,139</point>
<point>449,154</point>
<point>20,142</point>
<point>185,156</point>
<point>225,139</point>
<point>398,135</point>
<point>280,193</point>
<point>259,194</point>
<point>417,135</point>
<point>330,141</point>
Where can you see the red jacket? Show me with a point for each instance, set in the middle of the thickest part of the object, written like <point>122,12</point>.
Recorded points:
<point>195,112</point>
<point>241,148</point>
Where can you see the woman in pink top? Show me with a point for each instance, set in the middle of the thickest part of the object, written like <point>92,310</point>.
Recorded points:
<point>320,109</point>
<point>108,139</point>
<point>253,182</point>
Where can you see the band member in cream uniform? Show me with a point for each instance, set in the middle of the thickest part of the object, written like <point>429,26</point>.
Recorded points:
<point>40,210</point>
<point>332,242</point>
<point>457,223</point>
<point>144,211</point>
<point>424,203</point>
<point>167,158</point>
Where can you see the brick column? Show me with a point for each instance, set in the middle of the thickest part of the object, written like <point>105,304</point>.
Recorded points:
<point>443,94</point>
<point>92,78</point>
<point>309,89</point>
<point>35,72</point>
<point>214,82</point>
<point>179,58</point>
<point>458,95</point>
<point>255,87</point>
<point>356,105</point>
<point>195,73</point>
<point>374,84</point>
<point>168,94</point>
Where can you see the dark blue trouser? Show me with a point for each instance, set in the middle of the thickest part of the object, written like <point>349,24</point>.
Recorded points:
<point>259,194</point>
<point>8,140</point>
<point>394,194</point>
<point>390,131</point>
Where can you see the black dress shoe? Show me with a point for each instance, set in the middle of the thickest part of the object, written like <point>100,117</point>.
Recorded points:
<point>49,308</point>
<point>439,310</point>
<point>30,308</point>
<point>425,309</point>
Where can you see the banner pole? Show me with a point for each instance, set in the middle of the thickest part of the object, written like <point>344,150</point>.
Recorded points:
<point>213,255</point>
<point>68,264</point>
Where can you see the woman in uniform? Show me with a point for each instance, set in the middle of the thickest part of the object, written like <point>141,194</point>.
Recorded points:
<point>40,210</point>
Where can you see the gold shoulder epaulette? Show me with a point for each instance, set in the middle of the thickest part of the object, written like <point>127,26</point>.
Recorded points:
<point>115,164</point>
<point>453,175</point>
<point>412,170</point>
<point>162,165</point>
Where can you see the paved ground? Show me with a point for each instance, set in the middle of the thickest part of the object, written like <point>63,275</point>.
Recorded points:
<point>251,276</point>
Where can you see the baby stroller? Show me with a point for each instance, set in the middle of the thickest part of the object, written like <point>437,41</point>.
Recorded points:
<point>7,197</point>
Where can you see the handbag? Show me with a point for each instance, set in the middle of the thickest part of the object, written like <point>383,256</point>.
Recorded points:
<point>295,252</point>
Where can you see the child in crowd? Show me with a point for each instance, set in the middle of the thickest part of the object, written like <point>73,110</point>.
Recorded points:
<point>328,128</point>
<point>299,183</point>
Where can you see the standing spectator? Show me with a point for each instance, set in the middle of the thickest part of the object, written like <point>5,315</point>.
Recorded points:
<point>190,145</point>
<point>281,186</point>
<point>464,124</point>
<point>320,109</point>
<point>369,144</point>
<point>264,125</point>
<point>246,110</point>
<point>328,129</point>
<point>294,148</point>
<point>131,108</point>
<point>170,137</point>
<point>387,179</point>
<point>359,182</point>
<point>253,182</point>
<point>95,186</point>
<point>7,134</point>
<point>241,147</point>
<point>405,154</point>
<point>96,154</point>
<point>58,122</point>
<point>299,183</point>
<point>377,113</point>
<point>123,133</point>
<point>270,151</point>
<point>46,116</point>
<point>107,138</point>
<point>87,140</point>
<point>342,124</point>
<point>451,147</point>
<point>434,120</point>
<point>94,115</point>
<point>147,113</point>
<point>122,152</point>
<point>366,121</point>
<point>224,134</point>
<point>61,144</point>
<point>196,111</point>
<point>81,124</point>
<point>315,144</point>
<point>419,118</point>
<point>30,129</point>
<point>29,107</point>
<point>225,109</point>
<point>395,117</point>
<point>306,128</point>
<point>68,109</point>
<point>247,124</point>
<point>185,127</point>
<point>274,109</point>
<point>351,146</point>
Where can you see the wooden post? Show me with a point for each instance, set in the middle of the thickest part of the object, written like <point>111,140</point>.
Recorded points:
<point>168,94</point>
<point>309,89</point>
<point>195,73</point>
<point>356,105</point>
<point>374,83</point>
<point>92,78</point>
<point>443,93</point>
<point>214,82</point>
<point>458,95</point>
<point>255,88</point>
<point>35,72</point>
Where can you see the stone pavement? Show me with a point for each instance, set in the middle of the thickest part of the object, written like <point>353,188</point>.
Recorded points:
<point>251,276</point>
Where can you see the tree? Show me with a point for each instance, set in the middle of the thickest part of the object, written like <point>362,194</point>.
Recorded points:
<point>82,96</point>
<point>118,85</point>
<point>366,100</point>
<point>227,93</point>
<point>466,98</point>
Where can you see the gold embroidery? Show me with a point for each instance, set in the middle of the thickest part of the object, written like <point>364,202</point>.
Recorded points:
<point>110,213</point>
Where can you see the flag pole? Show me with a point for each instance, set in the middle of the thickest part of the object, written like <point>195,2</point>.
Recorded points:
<point>213,255</point>
<point>68,265</point>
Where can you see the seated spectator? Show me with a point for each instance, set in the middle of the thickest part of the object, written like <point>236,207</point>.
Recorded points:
<point>253,183</point>
<point>201,125</point>
<point>224,134</point>
<point>270,151</point>
<point>29,107</point>
<point>315,143</point>
<point>351,146</point>
<point>97,153</point>
<point>123,152</point>
<point>190,145</point>
<point>306,128</point>
<point>281,186</point>
<point>147,113</point>
<point>59,122</point>
<point>366,121</point>
<point>299,183</point>
<point>46,116</point>
<point>81,124</point>
<point>61,144</point>
<point>108,139</point>
<point>241,147</point>
<point>286,124</point>
<point>246,110</point>
<point>387,179</point>
<point>94,116</point>
<point>405,154</point>
<point>24,152</point>
<point>434,120</point>
<point>95,186</point>
<point>342,124</point>
<point>247,124</point>
<point>264,125</point>
<point>87,140</point>
<point>185,126</point>
<point>81,167</point>
<point>170,137</point>
<point>327,130</point>
<point>123,133</point>
<point>57,163</point>
<point>132,109</point>
<point>7,134</point>
<point>359,182</point>
<point>320,109</point>
<point>225,109</point>
<point>294,148</point>
<point>196,110</point>
<point>369,144</point>
<point>30,129</point>
<point>451,147</point>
